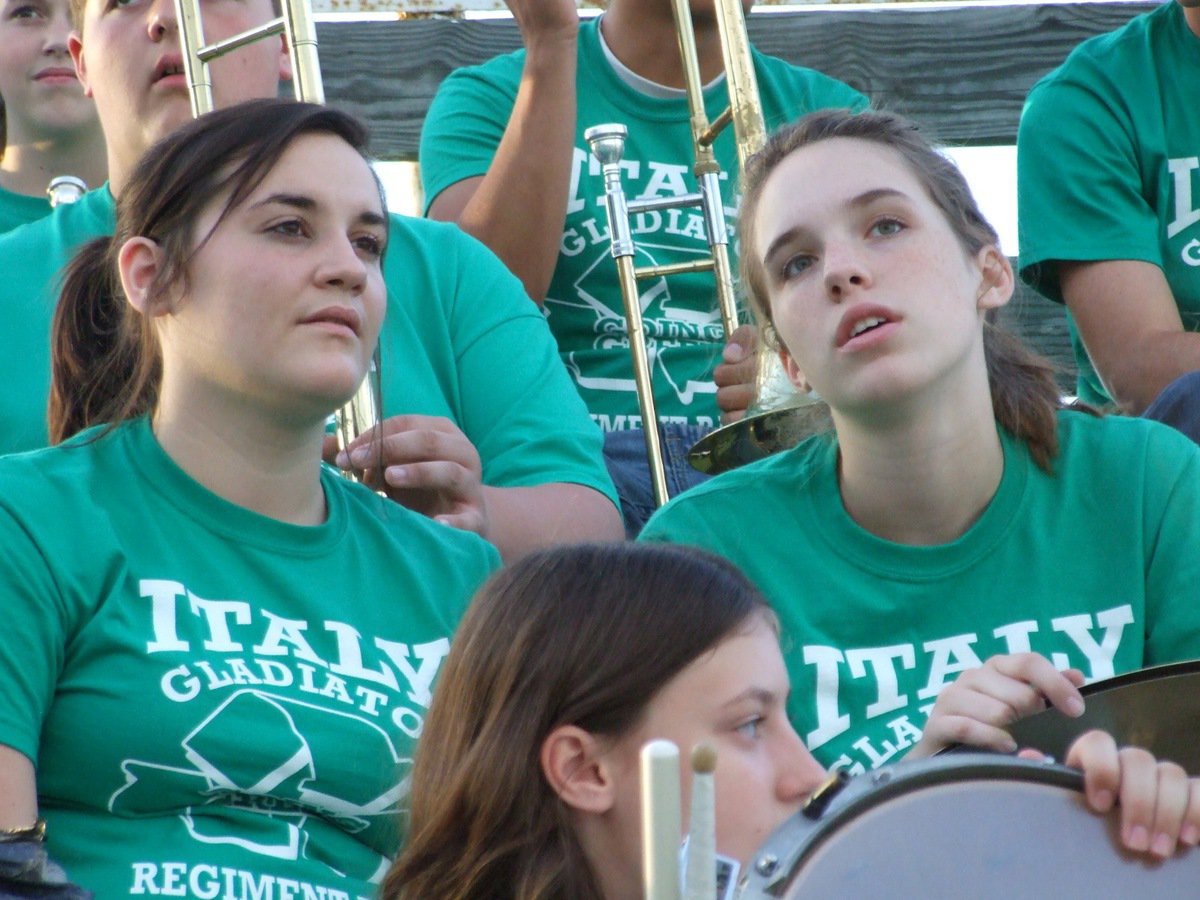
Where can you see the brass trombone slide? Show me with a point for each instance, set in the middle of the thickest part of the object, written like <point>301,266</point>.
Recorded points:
<point>607,145</point>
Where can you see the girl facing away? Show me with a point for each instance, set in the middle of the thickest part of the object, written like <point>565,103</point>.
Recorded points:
<point>220,652</point>
<point>48,127</point>
<point>958,519</point>
<point>526,781</point>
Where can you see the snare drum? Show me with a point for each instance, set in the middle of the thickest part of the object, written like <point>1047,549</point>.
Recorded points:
<point>972,825</point>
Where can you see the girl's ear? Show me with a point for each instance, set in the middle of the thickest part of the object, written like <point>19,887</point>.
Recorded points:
<point>795,376</point>
<point>997,281</point>
<point>140,261</point>
<point>574,764</point>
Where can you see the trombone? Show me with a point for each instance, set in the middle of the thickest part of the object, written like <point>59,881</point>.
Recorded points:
<point>296,24</point>
<point>607,145</point>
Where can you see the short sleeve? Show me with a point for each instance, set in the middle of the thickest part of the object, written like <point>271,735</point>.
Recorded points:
<point>1079,183</point>
<point>531,424</point>
<point>33,640</point>
<point>464,125</point>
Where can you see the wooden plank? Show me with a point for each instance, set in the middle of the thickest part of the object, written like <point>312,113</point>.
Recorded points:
<point>1042,324</point>
<point>963,72</point>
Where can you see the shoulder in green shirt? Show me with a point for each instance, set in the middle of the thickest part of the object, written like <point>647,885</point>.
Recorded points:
<point>20,209</point>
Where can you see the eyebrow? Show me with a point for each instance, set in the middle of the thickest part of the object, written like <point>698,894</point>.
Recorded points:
<point>761,695</point>
<point>866,198</point>
<point>300,201</point>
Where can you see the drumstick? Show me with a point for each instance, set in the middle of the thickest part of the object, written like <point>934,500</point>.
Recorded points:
<point>701,881</point>
<point>661,827</point>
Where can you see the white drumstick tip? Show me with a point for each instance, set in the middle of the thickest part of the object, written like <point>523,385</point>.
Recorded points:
<point>661,820</point>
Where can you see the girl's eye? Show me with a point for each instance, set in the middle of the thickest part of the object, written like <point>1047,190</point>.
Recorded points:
<point>887,227</point>
<point>289,228</point>
<point>794,265</point>
<point>369,245</point>
<point>751,729</point>
<point>26,12</point>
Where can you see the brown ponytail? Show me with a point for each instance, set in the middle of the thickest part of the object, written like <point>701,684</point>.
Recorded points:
<point>104,363</point>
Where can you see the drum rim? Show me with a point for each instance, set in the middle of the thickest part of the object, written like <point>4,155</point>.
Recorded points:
<point>1137,676</point>
<point>775,869</point>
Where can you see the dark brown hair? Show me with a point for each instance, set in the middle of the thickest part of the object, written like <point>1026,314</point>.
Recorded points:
<point>105,364</point>
<point>1025,395</point>
<point>576,635</point>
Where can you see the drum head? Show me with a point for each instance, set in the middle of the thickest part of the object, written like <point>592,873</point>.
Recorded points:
<point>977,826</point>
<point>1156,708</point>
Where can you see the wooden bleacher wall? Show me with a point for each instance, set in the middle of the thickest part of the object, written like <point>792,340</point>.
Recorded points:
<point>961,71</point>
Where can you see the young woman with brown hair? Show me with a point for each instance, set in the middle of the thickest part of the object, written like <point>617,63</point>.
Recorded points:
<point>957,513</point>
<point>218,651</point>
<point>526,780</point>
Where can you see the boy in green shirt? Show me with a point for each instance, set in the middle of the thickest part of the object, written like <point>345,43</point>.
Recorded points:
<point>503,154</point>
<point>1110,209</point>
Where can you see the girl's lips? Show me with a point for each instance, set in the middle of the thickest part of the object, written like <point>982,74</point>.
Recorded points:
<point>337,318</point>
<point>870,338</point>
<point>856,315</point>
<point>56,75</point>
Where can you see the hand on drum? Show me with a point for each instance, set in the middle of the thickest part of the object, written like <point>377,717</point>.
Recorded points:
<point>1160,804</point>
<point>428,465</point>
<point>735,376</point>
<point>976,708</point>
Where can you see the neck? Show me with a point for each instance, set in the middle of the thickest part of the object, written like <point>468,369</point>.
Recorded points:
<point>927,473</point>
<point>269,467</point>
<point>1192,15</point>
<point>637,31</point>
<point>617,875</point>
<point>28,164</point>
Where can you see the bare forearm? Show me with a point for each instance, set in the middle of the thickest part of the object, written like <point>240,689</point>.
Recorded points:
<point>1131,327</point>
<point>518,208</point>
<point>524,519</point>
<point>18,794</point>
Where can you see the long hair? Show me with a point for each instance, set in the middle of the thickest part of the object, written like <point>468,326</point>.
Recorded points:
<point>581,635</point>
<point>105,361</point>
<point>1025,395</point>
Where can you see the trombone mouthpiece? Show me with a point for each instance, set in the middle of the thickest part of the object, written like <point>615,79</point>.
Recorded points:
<point>607,142</point>
<point>65,189</point>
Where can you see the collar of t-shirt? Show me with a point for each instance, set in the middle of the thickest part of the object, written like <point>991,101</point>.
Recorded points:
<point>640,84</point>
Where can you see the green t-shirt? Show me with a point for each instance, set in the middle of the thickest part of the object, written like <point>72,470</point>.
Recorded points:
<point>583,305</point>
<point>460,340</point>
<point>20,209</point>
<point>1094,567</point>
<point>32,260</point>
<point>1107,164</point>
<point>218,703</point>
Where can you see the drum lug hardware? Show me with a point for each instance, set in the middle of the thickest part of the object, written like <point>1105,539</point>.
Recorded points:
<point>816,804</point>
<point>766,865</point>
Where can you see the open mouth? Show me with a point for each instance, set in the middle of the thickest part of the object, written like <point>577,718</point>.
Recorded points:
<point>861,321</point>
<point>168,68</point>
<point>867,324</point>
